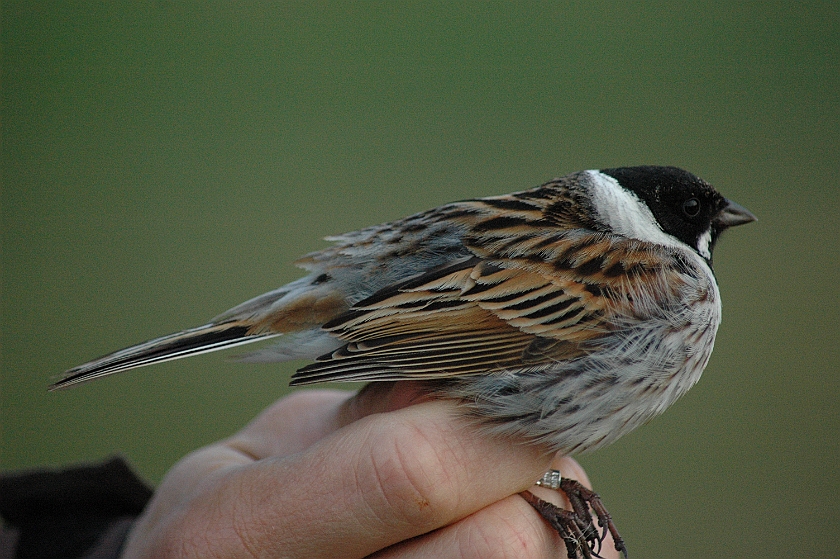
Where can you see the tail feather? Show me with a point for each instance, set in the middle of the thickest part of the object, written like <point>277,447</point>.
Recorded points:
<point>195,341</point>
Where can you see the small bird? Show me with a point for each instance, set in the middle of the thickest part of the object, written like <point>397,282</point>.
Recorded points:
<point>564,316</point>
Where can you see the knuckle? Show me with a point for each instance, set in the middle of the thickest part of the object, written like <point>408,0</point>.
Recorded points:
<point>507,532</point>
<point>182,540</point>
<point>203,529</point>
<point>412,469</point>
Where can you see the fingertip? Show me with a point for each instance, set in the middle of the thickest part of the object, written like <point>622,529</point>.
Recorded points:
<point>291,424</point>
<point>382,397</point>
<point>294,404</point>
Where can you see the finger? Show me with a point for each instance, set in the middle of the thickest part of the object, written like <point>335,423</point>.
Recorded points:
<point>382,397</point>
<point>388,477</point>
<point>292,424</point>
<point>414,470</point>
<point>289,425</point>
<point>507,528</point>
<point>297,421</point>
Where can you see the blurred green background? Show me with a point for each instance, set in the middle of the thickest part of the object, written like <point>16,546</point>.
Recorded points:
<point>162,162</point>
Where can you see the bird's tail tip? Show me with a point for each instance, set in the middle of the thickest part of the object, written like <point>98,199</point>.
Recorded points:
<point>195,341</point>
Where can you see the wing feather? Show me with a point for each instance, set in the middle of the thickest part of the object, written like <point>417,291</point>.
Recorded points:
<point>522,300</point>
<point>470,318</point>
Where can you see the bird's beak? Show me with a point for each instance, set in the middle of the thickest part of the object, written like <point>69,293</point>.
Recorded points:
<point>734,214</point>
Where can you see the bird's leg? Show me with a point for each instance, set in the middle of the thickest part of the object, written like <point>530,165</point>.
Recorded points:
<point>575,527</point>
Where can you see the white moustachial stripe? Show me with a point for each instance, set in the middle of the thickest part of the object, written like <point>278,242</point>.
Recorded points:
<point>703,245</point>
<point>624,213</point>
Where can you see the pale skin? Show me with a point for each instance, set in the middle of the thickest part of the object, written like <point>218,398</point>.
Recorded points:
<point>378,474</point>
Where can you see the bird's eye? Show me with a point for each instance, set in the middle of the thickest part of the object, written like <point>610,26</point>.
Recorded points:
<point>691,207</point>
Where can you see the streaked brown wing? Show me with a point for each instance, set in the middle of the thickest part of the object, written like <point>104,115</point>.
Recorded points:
<point>470,317</point>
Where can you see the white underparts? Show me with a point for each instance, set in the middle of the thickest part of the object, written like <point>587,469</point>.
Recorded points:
<point>624,213</point>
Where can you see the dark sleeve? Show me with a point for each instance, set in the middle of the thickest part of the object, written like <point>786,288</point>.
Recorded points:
<point>82,512</point>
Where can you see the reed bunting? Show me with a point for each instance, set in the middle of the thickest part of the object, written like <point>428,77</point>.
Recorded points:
<point>565,315</point>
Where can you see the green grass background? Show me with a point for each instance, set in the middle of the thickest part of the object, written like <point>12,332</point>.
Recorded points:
<point>163,161</point>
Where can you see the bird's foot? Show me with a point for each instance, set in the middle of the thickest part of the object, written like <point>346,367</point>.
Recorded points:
<point>582,539</point>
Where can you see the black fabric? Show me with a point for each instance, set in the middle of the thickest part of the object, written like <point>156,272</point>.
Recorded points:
<point>79,512</point>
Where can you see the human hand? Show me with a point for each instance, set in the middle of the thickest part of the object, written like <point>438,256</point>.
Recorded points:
<point>330,474</point>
